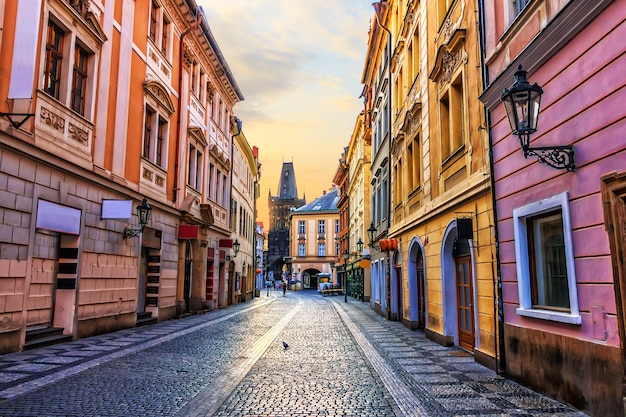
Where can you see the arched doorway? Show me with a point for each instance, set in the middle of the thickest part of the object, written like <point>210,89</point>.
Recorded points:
<point>458,276</point>
<point>417,285</point>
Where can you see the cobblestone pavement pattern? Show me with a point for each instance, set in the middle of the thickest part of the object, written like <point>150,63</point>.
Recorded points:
<point>342,360</point>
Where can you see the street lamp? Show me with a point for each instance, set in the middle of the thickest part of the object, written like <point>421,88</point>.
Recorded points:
<point>236,246</point>
<point>522,102</point>
<point>359,246</point>
<point>345,255</point>
<point>371,232</point>
<point>144,212</point>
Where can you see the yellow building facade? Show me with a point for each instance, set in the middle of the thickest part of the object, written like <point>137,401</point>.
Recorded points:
<point>442,277</point>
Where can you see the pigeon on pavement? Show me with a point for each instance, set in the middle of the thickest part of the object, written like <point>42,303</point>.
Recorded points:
<point>285,345</point>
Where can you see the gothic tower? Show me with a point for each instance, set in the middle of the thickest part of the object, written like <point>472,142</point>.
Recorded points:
<point>279,209</point>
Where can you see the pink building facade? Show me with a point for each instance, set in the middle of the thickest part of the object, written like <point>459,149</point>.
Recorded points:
<point>561,232</point>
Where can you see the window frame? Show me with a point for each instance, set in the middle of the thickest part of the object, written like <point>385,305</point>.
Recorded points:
<point>522,259</point>
<point>301,249</point>
<point>321,249</point>
<point>321,227</point>
<point>301,227</point>
<point>53,65</point>
<point>159,136</point>
<point>80,75</point>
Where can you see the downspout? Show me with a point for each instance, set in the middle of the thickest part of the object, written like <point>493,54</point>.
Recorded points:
<point>499,307</point>
<point>181,59</point>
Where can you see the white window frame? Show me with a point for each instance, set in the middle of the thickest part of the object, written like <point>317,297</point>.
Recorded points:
<point>321,249</point>
<point>195,165</point>
<point>321,227</point>
<point>163,30</point>
<point>520,215</point>
<point>159,114</point>
<point>301,227</point>
<point>301,249</point>
<point>71,39</point>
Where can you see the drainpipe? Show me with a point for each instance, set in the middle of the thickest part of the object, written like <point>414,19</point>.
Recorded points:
<point>499,316</point>
<point>181,59</point>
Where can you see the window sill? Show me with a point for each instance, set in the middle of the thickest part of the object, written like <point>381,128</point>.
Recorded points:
<point>549,315</point>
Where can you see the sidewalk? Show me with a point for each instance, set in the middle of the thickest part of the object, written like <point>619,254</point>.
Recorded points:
<point>433,380</point>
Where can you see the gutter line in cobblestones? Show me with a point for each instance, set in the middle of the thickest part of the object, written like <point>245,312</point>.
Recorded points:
<point>213,395</point>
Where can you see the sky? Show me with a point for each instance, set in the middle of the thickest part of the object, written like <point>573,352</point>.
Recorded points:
<point>298,64</point>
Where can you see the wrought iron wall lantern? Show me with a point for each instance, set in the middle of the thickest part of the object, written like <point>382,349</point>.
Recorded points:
<point>359,247</point>
<point>236,246</point>
<point>144,212</point>
<point>522,102</point>
<point>384,245</point>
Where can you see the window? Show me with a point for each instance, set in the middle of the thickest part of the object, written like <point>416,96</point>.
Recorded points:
<point>301,227</point>
<point>194,168</point>
<point>79,80</point>
<point>321,249</point>
<point>321,227</point>
<point>159,28</point>
<point>155,137</point>
<point>233,214</point>
<point>548,270</point>
<point>519,5</point>
<point>54,59</point>
<point>153,22</point>
<point>442,9</point>
<point>68,67</point>
<point>397,183</point>
<point>451,118</point>
<point>301,249</point>
<point>413,164</point>
<point>337,226</point>
<point>545,261</point>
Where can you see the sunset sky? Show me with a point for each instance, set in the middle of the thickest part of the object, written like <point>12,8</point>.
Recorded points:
<point>298,64</point>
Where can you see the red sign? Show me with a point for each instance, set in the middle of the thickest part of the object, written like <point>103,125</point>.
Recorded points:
<point>186,231</point>
<point>226,243</point>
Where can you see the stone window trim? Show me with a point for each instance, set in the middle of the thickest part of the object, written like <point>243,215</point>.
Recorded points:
<point>522,261</point>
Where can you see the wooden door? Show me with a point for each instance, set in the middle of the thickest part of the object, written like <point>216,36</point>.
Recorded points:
<point>465,302</point>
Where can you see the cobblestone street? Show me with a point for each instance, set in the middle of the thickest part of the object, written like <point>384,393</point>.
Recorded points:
<point>342,360</point>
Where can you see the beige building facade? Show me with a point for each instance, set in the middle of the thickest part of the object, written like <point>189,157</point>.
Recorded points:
<point>314,228</point>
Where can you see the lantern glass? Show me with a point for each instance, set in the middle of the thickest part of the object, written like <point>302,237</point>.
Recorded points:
<point>346,255</point>
<point>236,247</point>
<point>144,212</point>
<point>372,233</point>
<point>522,102</point>
<point>359,246</point>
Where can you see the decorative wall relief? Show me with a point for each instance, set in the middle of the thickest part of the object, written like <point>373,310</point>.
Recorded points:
<point>51,119</point>
<point>78,134</point>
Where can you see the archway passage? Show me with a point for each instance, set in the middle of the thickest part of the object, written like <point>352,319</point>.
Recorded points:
<point>310,279</point>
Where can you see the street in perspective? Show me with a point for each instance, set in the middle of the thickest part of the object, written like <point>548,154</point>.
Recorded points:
<point>300,354</point>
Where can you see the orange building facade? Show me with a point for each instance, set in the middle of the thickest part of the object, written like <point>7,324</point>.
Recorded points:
<point>104,105</point>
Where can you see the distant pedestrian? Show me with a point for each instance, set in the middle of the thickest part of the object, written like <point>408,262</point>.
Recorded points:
<point>284,288</point>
